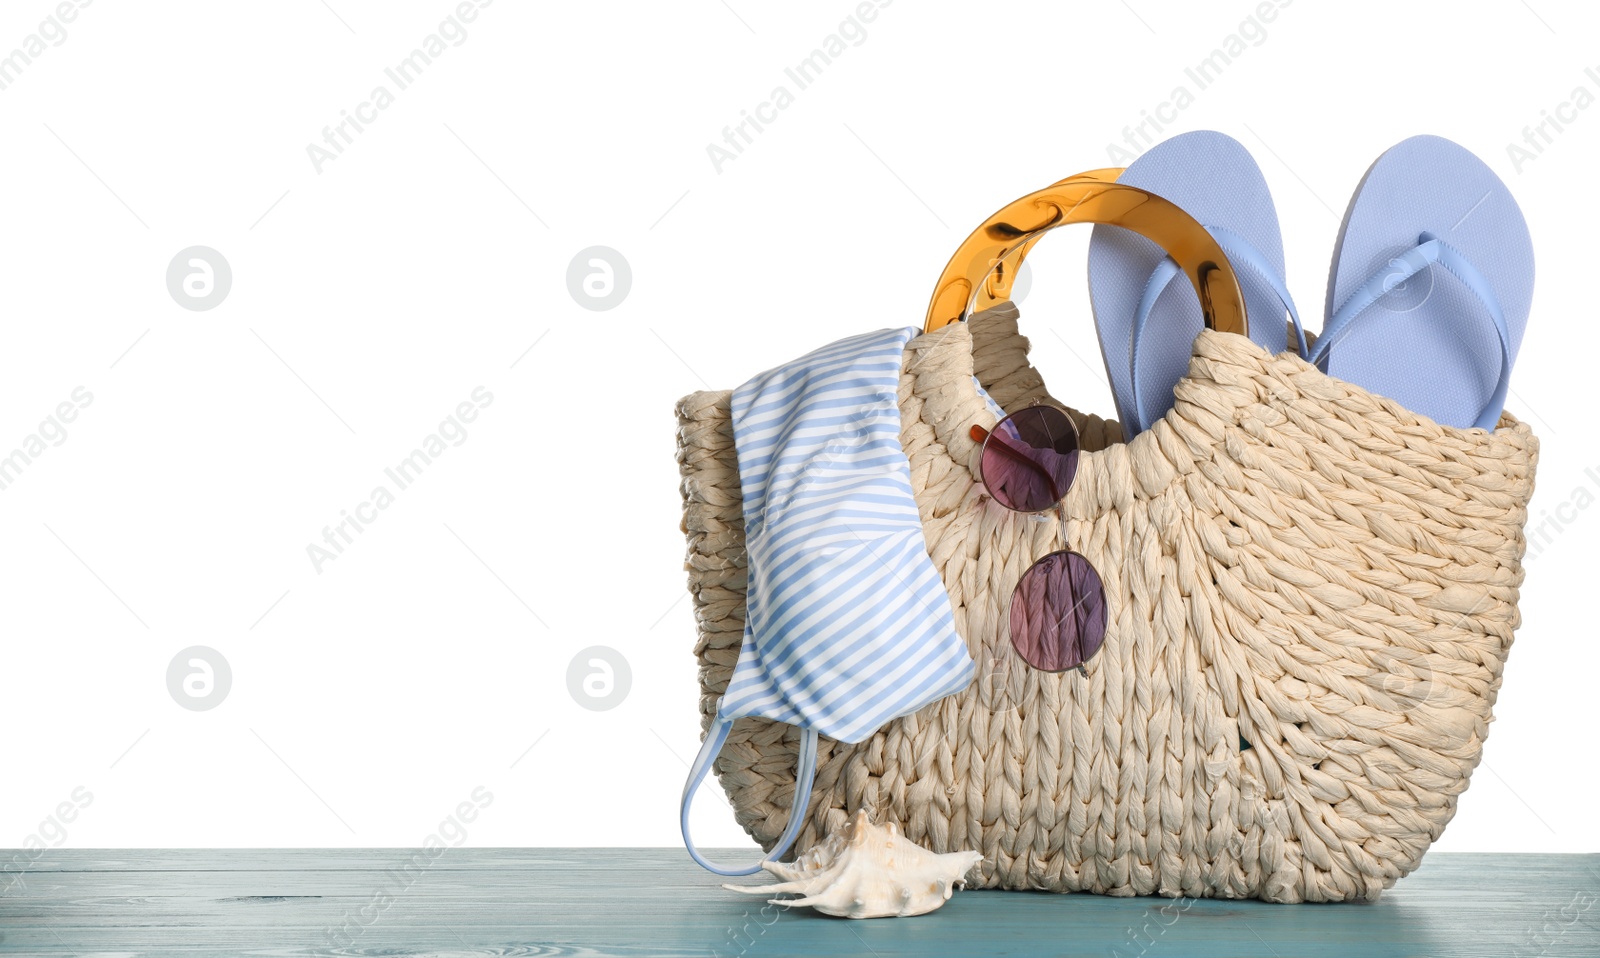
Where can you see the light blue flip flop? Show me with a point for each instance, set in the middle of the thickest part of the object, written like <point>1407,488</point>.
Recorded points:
<point>1430,286</point>
<point>1146,313</point>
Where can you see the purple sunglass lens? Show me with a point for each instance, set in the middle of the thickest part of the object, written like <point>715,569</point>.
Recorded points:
<point>1058,613</point>
<point>1030,459</point>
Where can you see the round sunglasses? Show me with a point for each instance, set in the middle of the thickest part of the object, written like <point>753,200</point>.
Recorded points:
<point>1058,610</point>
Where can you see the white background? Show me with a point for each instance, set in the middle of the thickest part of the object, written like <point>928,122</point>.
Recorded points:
<point>371,298</point>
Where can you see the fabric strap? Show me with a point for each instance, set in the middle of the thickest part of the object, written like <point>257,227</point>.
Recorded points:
<point>805,771</point>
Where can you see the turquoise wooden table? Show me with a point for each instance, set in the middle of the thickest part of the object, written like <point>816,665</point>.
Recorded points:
<point>655,902</point>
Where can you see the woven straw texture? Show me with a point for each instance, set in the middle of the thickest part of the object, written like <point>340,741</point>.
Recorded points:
<point>1289,561</point>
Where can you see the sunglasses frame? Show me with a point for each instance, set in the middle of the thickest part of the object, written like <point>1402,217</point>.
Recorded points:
<point>981,273</point>
<point>983,436</point>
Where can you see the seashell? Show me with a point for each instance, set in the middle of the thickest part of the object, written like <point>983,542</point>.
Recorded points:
<point>867,871</point>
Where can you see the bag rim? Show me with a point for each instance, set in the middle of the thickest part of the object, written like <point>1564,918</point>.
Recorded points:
<point>951,431</point>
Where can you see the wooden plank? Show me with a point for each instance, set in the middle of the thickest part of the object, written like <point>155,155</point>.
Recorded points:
<point>635,902</point>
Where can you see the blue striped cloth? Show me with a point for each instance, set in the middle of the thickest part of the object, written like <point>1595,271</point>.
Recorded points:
<point>848,624</point>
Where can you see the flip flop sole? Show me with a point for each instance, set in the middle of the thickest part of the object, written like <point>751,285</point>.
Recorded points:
<point>1215,180</point>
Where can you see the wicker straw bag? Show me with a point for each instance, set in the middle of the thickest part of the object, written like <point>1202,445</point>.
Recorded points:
<point>1311,592</point>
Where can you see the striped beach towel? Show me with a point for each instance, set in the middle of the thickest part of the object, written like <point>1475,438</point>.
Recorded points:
<point>847,622</point>
<point>848,625</point>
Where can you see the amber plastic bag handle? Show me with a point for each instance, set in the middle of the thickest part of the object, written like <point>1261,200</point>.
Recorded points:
<point>997,286</point>
<point>982,269</point>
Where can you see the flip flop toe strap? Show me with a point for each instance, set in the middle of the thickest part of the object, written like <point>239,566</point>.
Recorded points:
<point>1240,253</point>
<point>1430,249</point>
